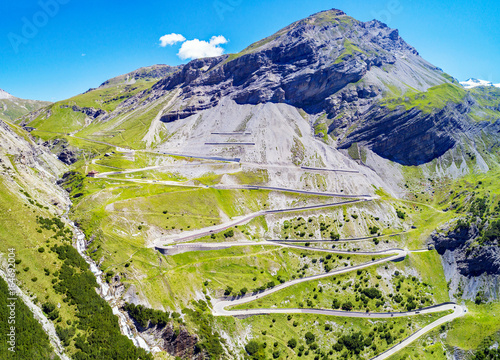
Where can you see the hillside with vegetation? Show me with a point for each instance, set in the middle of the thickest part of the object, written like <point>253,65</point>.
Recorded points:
<point>220,210</point>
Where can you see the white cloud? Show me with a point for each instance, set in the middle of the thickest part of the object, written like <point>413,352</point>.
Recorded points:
<point>171,39</point>
<point>195,49</point>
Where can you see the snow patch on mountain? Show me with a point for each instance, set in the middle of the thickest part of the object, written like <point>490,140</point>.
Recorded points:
<point>472,83</point>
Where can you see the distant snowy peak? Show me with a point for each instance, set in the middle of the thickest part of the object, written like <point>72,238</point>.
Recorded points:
<point>5,95</point>
<point>472,83</point>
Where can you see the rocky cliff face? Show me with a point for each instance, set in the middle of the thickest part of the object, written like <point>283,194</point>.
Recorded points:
<point>410,137</point>
<point>24,164</point>
<point>301,65</point>
<point>471,269</point>
<point>334,65</point>
<point>177,341</point>
<point>64,152</point>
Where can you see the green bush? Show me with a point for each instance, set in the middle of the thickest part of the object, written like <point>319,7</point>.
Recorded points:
<point>372,293</point>
<point>492,233</point>
<point>373,230</point>
<point>347,306</point>
<point>353,342</point>
<point>335,304</point>
<point>309,336</point>
<point>252,347</point>
<point>334,236</point>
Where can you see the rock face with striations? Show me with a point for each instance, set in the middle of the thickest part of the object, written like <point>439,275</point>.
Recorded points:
<point>301,65</point>
<point>410,137</point>
<point>471,261</point>
<point>469,269</point>
<point>329,64</point>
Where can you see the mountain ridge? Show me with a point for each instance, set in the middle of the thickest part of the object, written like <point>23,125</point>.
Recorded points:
<point>12,107</point>
<point>5,95</point>
<point>343,73</point>
<point>473,82</point>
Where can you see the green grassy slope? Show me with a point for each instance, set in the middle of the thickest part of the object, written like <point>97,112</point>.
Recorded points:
<point>434,98</point>
<point>11,109</point>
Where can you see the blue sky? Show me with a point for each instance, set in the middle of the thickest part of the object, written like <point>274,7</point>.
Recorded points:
<point>46,62</point>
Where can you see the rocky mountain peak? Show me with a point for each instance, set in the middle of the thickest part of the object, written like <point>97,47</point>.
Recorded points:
<point>302,65</point>
<point>154,72</point>
<point>472,83</point>
<point>5,95</point>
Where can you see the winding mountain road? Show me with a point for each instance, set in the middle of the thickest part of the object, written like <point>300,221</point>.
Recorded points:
<point>220,305</point>
<point>195,234</point>
<point>209,246</point>
<point>226,187</point>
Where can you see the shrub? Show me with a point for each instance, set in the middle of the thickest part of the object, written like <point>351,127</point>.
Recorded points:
<point>50,310</point>
<point>229,233</point>
<point>228,291</point>
<point>338,347</point>
<point>334,236</point>
<point>347,306</point>
<point>353,342</point>
<point>309,336</point>
<point>252,347</point>
<point>372,293</point>
<point>335,303</point>
<point>492,233</point>
<point>373,230</point>
<point>145,316</point>
<point>65,334</point>
<point>292,343</point>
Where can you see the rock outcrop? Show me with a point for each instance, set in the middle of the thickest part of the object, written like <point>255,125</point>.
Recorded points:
<point>410,137</point>
<point>176,340</point>
<point>63,150</point>
<point>91,112</point>
<point>470,268</point>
